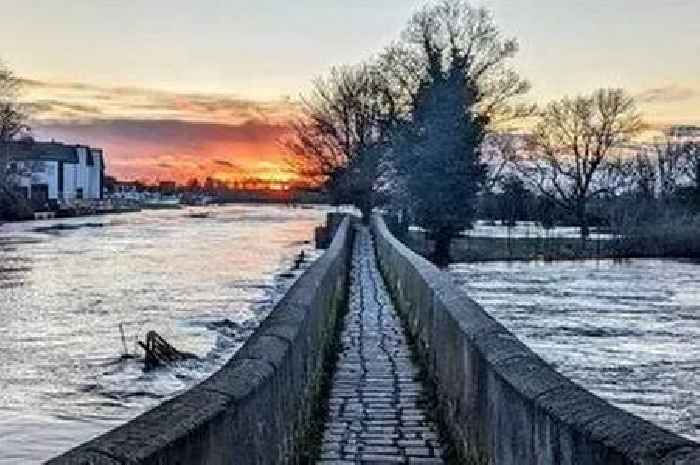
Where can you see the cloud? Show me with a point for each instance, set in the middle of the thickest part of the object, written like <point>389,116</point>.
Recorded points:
<point>155,134</point>
<point>667,94</point>
<point>75,101</point>
<point>57,107</point>
<point>228,165</point>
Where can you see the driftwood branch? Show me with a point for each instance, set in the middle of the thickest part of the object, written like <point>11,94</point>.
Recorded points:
<point>159,352</point>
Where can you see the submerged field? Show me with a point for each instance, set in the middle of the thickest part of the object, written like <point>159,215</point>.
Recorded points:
<point>629,331</point>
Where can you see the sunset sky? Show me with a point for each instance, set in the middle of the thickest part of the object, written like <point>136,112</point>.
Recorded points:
<point>176,89</point>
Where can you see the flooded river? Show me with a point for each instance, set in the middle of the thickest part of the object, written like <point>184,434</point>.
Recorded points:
<point>65,286</point>
<point>629,332</point>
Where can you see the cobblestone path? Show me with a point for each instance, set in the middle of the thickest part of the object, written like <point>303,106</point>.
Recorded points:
<point>377,406</point>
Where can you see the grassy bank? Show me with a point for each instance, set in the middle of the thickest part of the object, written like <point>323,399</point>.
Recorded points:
<point>673,241</point>
<point>483,249</point>
<point>668,237</point>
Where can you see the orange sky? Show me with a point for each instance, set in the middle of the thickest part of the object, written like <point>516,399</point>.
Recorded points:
<point>123,78</point>
<point>155,135</point>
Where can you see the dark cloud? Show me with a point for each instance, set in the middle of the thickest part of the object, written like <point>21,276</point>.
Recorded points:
<point>227,164</point>
<point>181,133</point>
<point>667,94</point>
<point>56,106</point>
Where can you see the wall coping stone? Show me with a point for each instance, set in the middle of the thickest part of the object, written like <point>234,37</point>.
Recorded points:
<point>239,413</point>
<point>534,380</point>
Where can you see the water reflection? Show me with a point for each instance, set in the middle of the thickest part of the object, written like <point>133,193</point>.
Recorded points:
<point>65,285</point>
<point>627,331</point>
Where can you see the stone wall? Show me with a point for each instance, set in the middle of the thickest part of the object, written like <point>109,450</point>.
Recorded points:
<point>258,407</point>
<point>499,402</point>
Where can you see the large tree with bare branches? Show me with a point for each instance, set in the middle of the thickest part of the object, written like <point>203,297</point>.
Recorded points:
<point>337,139</point>
<point>572,156</point>
<point>414,117</point>
<point>454,34</point>
<point>12,117</point>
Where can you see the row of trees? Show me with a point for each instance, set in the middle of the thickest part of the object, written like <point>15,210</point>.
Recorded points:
<point>530,183</point>
<point>426,127</point>
<point>406,128</point>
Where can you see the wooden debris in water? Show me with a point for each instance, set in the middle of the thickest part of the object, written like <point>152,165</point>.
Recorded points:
<point>299,260</point>
<point>121,330</point>
<point>159,352</point>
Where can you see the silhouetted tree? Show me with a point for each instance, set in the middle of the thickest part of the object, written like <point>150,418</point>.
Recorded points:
<point>689,160</point>
<point>570,153</point>
<point>497,150</point>
<point>337,140</point>
<point>689,154</point>
<point>13,118</point>
<point>513,201</point>
<point>12,123</point>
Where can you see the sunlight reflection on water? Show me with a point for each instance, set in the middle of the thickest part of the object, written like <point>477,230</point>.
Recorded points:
<point>64,290</point>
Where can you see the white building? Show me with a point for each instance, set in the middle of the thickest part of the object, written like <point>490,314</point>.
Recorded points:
<point>55,173</point>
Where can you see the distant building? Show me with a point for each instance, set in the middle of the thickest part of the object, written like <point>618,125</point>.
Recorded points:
<point>52,173</point>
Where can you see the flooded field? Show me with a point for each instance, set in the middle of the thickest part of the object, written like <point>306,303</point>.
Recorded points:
<point>201,281</point>
<point>628,331</point>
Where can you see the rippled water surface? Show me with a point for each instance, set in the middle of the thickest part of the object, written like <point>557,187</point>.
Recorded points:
<point>65,285</point>
<point>629,332</point>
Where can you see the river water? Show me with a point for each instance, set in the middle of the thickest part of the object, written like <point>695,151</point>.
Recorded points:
<point>627,331</point>
<point>66,285</point>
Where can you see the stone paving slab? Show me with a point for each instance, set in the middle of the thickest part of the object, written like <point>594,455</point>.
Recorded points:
<point>377,404</point>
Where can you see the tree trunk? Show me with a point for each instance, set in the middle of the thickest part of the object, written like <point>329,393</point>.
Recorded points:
<point>366,210</point>
<point>583,221</point>
<point>441,250</point>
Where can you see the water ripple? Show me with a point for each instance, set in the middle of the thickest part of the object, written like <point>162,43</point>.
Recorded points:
<point>65,285</point>
<point>628,331</point>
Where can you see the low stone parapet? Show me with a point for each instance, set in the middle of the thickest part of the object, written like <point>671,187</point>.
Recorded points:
<point>257,409</point>
<point>500,403</point>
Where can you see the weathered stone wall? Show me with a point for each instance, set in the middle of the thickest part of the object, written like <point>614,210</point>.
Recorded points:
<point>257,408</point>
<point>500,403</point>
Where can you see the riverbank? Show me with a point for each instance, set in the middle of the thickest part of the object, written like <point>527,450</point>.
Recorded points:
<point>624,329</point>
<point>484,249</point>
<point>684,243</point>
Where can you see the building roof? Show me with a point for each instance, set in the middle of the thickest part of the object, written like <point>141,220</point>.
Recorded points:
<point>39,151</point>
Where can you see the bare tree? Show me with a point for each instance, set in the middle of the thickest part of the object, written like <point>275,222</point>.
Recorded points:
<point>12,117</point>
<point>689,160</point>
<point>644,176</point>
<point>336,140</point>
<point>497,151</point>
<point>571,148</point>
<point>669,166</point>
<point>456,35</point>
<point>12,123</point>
